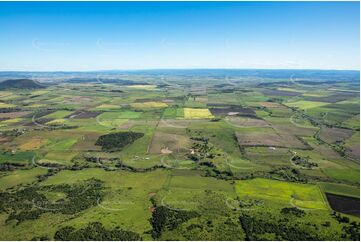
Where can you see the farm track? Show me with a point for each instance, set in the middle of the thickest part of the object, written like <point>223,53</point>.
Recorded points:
<point>151,141</point>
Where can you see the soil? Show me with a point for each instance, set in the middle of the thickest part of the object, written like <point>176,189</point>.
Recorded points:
<point>343,204</point>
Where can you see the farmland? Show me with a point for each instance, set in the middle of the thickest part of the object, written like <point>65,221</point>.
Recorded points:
<point>227,155</point>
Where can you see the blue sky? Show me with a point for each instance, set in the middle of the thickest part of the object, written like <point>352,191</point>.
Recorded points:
<point>143,35</point>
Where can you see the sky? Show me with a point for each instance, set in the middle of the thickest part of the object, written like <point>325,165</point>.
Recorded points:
<point>68,36</point>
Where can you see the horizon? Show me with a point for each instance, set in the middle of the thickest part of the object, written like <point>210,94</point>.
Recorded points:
<point>185,69</point>
<point>131,36</point>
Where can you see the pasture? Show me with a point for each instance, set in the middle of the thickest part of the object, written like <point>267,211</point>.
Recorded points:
<point>304,196</point>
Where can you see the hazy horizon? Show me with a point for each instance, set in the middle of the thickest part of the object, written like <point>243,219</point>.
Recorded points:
<point>175,69</point>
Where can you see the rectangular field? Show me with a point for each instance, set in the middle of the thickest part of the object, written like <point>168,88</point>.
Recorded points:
<point>306,104</point>
<point>269,139</point>
<point>58,114</point>
<point>197,113</point>
<point>299,195</point>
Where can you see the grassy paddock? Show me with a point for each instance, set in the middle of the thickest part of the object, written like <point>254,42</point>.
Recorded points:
<point>300,195</point>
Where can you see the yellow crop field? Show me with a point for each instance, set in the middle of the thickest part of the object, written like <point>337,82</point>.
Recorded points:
<point>56,122</point>
<point>301,195</point>
<point>149,105</point>
<point>33,144</point>
<point>197,113</point>
<point>107,107</point>
<point>6,105</point>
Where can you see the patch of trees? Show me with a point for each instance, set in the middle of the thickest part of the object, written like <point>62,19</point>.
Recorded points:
<point>340,218</point>
<point>31,202</point>
<point>107,164</point>
<point>95,231</point>
<point>202,149</point>
<point>352,232</point>
<point>165,218</point>
<point>13,132</point>
<point>199,139</point>
<point>339,148</point>
<point>9,110</point>
<point>303,161</point>
<point>275,100</point>
<point>51,172</point>
<point>215,119</point>
<point>287,174</point>
<point>214,172</point>
<point>248,203</point>
<point>51,165</point>
<point>211,170</point>
<point>116,91</point>
<point>123,166</point>
<point>207,164</point>
<point>293,211</point>
<point>40,238</point>
<point>116,141</point>
<point>304,142</point>
<point>62,126</point>
<point>254,228</point>
<point>7,166</point>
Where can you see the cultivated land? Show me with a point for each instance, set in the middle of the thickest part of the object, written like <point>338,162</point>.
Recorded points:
<point>226,155</point>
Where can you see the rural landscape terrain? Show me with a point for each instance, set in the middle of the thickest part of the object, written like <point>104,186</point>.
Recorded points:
<point>203,154</point>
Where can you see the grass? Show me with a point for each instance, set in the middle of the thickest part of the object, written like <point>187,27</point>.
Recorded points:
<point>58,114</point>
<point>127,201</point>
<point>340,189</point>
<point>353,122</point>
<point>19,177</point>
<point>148,105</point>
<point>10,121</point>
<point>33,144</point>
<point>119,115</point>
<point>114,123</point>
<point>343,174</point>
<point>6,105</point>
<point>113,179</point>
<point>17,157</point>
<point>197,113</point>
<point>106,107</point>
<point>59,156</point>
<point>61,144</point>
<point>146,87</point>
<point>301,195</point>
<point>56,122</point>
<point>172,113</point>
<point>306,104</point>
<point>39,92</point>
<point>199,182</point>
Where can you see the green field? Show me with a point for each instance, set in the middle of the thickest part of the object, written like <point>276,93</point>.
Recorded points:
<point>340,189</point>
<point>306,104</point>
<point>299,195</point>
<point>58,114</point>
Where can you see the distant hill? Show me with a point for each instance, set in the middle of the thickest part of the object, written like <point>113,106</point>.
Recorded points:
<point>106,80</point>
<point>20,84</point>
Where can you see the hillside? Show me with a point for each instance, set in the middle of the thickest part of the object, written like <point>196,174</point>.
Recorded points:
<point>20,84</point>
